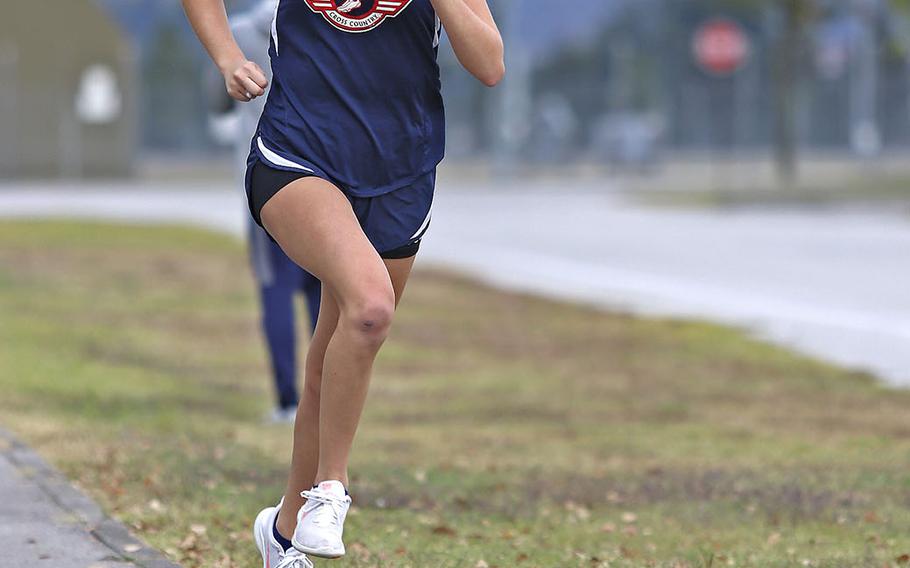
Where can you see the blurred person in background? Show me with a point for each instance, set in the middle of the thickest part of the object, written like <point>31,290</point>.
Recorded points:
<point>278,277</point>
<point>341,174</point>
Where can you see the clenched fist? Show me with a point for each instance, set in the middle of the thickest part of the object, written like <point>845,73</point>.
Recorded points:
<point>245,81</point>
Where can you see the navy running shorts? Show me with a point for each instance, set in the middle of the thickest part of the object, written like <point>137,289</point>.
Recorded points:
<point>394,222</point>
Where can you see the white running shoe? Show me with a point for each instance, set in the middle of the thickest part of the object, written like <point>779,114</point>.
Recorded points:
<point>273,555</point>
<point>348,6</point>
<point>320,522</point>
<point>280,415</point>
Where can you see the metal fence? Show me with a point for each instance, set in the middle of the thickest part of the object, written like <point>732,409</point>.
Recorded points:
<point>612,83</point>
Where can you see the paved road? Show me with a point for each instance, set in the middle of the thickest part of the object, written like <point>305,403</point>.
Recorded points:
<point>44,521</point>
<point>833,284</point>
<point>34,530</point>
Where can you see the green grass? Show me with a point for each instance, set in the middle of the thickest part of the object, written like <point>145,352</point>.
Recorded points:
<point>501,430</point>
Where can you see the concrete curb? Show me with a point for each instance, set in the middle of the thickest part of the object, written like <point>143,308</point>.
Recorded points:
<point>112,534</point>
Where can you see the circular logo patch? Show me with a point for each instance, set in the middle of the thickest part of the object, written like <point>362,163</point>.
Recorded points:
<point>357,16</point>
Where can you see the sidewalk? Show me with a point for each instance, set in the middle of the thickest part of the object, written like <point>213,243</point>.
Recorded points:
<point>45,521</point>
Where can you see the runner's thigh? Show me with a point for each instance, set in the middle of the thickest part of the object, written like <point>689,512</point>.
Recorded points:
<point>313,222</point>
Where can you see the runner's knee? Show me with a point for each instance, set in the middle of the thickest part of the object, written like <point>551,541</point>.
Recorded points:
<point>371,313</point>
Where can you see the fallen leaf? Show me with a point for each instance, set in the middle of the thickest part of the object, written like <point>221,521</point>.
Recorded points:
<point>444,530</point>
<point>361,551</point>
<point>189,542</point>
<point>628,517</point>
<point>608,528</point>
<point>903,559</point>
<point>198,530</point>
<point>580,511</point>
<point>481,564</point>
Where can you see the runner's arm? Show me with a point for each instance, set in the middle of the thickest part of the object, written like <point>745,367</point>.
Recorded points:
<point>474,36</point>
<point>243,79</point>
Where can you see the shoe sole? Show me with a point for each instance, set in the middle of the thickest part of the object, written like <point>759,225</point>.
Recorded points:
<point>327,553</point>
<point>258,538</point>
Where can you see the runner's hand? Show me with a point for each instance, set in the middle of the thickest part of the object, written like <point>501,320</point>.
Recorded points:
<point>245,81</point>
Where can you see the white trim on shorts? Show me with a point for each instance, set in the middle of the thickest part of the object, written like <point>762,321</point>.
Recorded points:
<point>277,160</point>
<point>423,226</point>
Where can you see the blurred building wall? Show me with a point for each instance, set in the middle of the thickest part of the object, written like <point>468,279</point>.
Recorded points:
<point>68,91</point>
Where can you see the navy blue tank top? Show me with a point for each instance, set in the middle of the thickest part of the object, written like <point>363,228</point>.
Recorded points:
<point>355,94</point>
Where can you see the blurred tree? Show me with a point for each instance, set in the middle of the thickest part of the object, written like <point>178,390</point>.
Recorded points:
<point>615,70</point>
<point>638,45</point>
<point>790,20</point>
<point>787,55</point>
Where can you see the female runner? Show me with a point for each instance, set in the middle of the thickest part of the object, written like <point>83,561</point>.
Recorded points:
<point>341,174</point>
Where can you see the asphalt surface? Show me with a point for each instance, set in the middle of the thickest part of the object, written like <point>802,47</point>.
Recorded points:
<point>834,284</point>
<point>33,530</point>
<point>44,521</point>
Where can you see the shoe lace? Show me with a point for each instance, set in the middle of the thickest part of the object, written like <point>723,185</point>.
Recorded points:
<point>325,516</point>
<point>293,558</point>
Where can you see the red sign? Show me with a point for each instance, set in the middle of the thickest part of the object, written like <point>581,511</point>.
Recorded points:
<point>721,47</point>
